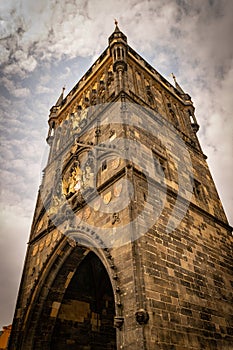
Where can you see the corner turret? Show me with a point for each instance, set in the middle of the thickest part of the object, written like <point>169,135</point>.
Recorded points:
<point>53,116</point>
<point>119,49</point>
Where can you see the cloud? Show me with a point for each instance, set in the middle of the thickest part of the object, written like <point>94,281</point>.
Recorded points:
<point>43,89</point>
<point>46,44</point>
<point>14,88</point>
<point>27,63</point>
<point>13,251</point>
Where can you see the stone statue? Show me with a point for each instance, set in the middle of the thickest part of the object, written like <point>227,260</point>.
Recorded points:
<point>65,186</point>
<point>70,186</point>
<point>75,119</point>
<point>54,206</point>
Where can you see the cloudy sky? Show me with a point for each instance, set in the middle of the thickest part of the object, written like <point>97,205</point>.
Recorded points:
<point>46,44</point>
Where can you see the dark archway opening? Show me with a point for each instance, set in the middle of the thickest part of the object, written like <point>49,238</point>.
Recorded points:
<point>85,318</point>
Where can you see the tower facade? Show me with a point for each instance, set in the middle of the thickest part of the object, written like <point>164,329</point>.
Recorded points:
<point>130,247</point>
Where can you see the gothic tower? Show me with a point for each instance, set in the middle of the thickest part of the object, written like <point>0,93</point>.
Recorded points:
<point>129,246</point>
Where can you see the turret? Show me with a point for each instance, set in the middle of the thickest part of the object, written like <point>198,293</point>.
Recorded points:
<point>118,48</point>
<point>190,108</point>
<point>53,116</point>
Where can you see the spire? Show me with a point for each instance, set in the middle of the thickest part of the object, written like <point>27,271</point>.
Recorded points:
<point>117,35</point>
<point>177,85</point>
<point>117,30</point>
<point>60,99</point>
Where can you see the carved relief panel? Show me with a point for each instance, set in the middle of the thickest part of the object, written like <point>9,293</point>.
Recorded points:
<point>79,175</point>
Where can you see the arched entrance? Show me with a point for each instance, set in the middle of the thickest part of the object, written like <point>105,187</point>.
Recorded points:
<point>86,315</point>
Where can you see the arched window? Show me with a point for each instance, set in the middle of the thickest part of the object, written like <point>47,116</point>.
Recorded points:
<point>191,117</point>
<point>118,53</point>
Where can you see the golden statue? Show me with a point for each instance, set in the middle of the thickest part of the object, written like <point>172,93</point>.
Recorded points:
<point>71,185</point>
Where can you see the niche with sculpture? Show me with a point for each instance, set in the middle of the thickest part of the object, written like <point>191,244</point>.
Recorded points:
<point>79,176</point>
<point>78,119</point>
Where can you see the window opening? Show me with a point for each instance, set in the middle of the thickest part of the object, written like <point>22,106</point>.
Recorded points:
<point>104,165</point>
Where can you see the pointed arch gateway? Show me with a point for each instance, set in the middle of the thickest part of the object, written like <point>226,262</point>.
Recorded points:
<point>86,315</point>
<point>76,306</point>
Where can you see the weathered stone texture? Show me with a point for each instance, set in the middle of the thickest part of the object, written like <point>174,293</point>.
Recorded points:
<point>149,287</point>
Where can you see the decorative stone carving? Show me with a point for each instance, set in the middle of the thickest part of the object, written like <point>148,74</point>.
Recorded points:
<point>87,213</point>
<point>96,204</point>
<point>71,241</point>
<point>41,246</point>
<point>83,114</point>
<point>55,204</point>
<point>40,225</point>
<point>142,316</point>
<point>115,218</point>
<point>55,235</point>
<point>75,120</point>
<point>118,322</point>
<point>71,184</point>
<point>74,180</point>
<point>79,177</point>
<point>117,189</point>
<point>107,197</point>
<point>79,217</point>
<point>110,77</point>
<point>116,163</point>
<point>70,217</point>
<point>101,95</point>
<point>48,240</point>
<point>112,135</point>
<point>35,250</point>
<point>78,119</point>
<point>88,177</point>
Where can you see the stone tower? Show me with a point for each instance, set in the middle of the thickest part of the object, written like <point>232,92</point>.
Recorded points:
<point>129,247</point>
